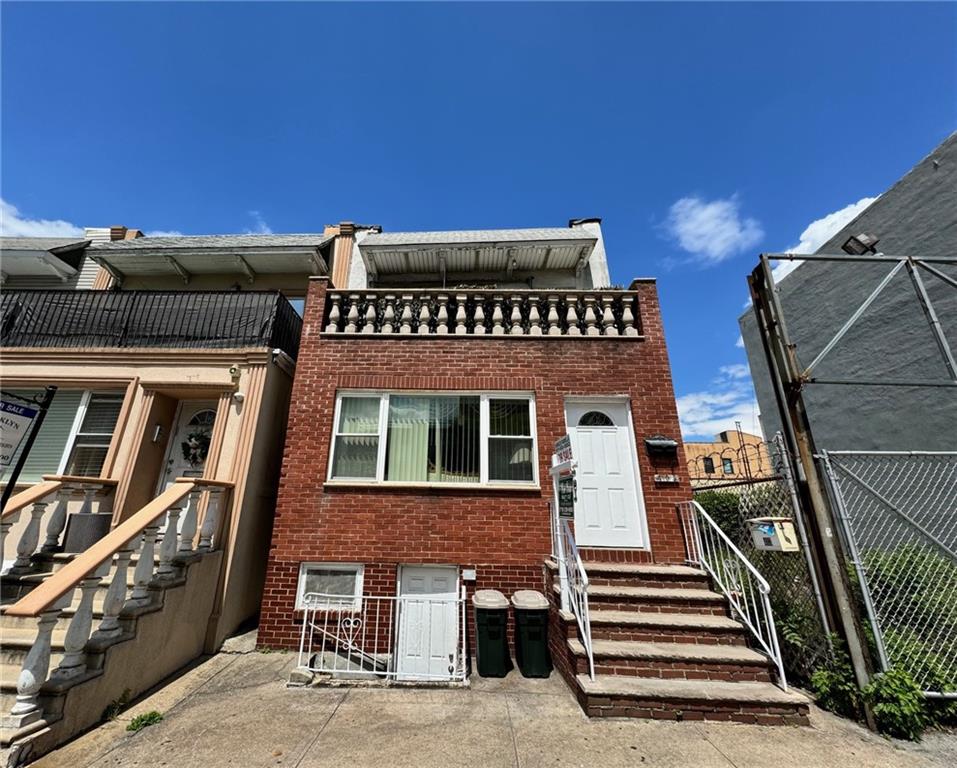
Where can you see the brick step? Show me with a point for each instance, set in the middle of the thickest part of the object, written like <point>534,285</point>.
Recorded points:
<point>637,575</point>
<point>657,599</point>
<point>660,627</point>
<point>655,698</point>
<point>685,661</point>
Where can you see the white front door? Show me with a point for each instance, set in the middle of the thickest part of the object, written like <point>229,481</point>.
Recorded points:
<point>428,622</point>
<point>189,442</point>
<point>609,510</point>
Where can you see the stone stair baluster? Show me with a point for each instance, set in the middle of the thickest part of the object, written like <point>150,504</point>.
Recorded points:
<point>516,318</point>
<point>73,662</point>
<point>168,544</point>
<point>460,317</point>
<point>498,329</point>
<point>35,669</point>
<point>591,319</point>
<point>554,322</point>
<point>442,317</point>
<point>210,520</point>
<point>371,310</point>
<point>89,491</point>
<point>627,318</point>
<point>608,317</point>
<point>479,316</point>
<point>571,316</point>
<point>424,316</point>
<point>334,313</point>
<point>388,317</point>
<point>406,318</point>
<point>187,531</point>
<point>143,573</point>
<point>534,318</point>
<point>352,319</point>
<point>30,538</point>
<point>57,521</point>
<point>115,594</point>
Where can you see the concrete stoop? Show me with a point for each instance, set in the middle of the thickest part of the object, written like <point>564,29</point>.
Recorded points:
<point>665,647</point>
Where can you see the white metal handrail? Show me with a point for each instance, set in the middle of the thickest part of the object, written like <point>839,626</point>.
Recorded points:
<point>575,590</point>
<point>365,637</point>
<point>736,577</point>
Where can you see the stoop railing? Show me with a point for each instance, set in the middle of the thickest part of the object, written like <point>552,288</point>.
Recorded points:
<point>574,581</point>
<point>735,576</point>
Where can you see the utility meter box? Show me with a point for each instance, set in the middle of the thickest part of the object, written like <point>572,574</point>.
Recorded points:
<point>775,534</point>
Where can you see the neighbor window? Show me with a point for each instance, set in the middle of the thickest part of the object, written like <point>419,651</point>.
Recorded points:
<point>727,466</point>
<point>455,438</point>
<point>95,422</point>
<point>330,585</point>
<point>708,465</point>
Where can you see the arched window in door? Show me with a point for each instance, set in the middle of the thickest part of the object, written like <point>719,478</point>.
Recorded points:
<point>595,419</point>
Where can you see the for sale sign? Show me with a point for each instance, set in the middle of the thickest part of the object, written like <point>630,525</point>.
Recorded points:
<point>563,449</point>
<point>15,421</point>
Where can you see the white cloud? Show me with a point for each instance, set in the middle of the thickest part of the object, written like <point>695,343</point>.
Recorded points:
<point>819,232</point>
<point>712,230</point>
<point>15,224</point>
<point>260,227</point>
<point>730,399</point>
<point>163,233</point>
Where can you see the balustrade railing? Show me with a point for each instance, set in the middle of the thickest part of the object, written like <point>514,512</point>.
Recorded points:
<point>574,582</point>
<point>585,314</point>
<point>111,557</point>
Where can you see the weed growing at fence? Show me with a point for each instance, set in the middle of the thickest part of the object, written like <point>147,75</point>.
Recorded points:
<point>834,685</point>
<point>898,705</point>
<point>145,720</point>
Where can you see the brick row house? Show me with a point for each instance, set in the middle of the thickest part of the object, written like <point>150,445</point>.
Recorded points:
<point>435,374</point>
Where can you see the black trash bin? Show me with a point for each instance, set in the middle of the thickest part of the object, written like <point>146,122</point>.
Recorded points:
<point>531,633</point>
<point>491,626</point>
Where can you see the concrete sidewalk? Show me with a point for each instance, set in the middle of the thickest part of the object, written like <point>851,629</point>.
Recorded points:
<point>234,710</point>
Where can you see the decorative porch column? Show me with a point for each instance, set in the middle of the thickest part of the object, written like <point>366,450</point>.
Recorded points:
<point>608,317</point>
<point>335,300</point>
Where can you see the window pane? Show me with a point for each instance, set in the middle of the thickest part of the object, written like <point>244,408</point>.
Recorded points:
<point>433,439</point>
<point>47,451</point>
<point>510,459</point>
<point>359,415</point>
<point>728,466</point>
<point>356,456</point>
<point>508,417</point>
<point>102,414</point>
<point>87,460</point>
<point>331,581</point>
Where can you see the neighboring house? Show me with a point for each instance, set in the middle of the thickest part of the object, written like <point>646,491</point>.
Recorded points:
<point>734,457</point>
<point>434,378</point>
<point>173,388</point>
<point>916,217</point>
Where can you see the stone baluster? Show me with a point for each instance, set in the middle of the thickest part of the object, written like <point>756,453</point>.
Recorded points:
<point>143,573</point>
<point>571,316</point>
<point>210,520</point>
<point>335,313</point>
<point>478,328</point>
<point>116,594</point>
<point>89,492</point>
<point>627,318</point>
<point>371,310</point>
<point>406,319</point>
<point>30,538</point>
<point>35,669</point>
<point>591,319</point>
<point>77,635</point>
<point>352,319</point>
<point>5,526</point>
<point>498,329</point>
<point>516,318</point>
<point>424,316</point>
<point>187,531</point>
<point>442,317</point>
<point>608,317</point>
<point>460,318</point>
<point>388,316</point>
<point>57,521</point>
<point>554,322</point>
<point>534,318</point>
<point>166,569</point>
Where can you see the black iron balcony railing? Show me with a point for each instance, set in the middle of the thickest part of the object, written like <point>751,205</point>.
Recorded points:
<point>179,319</point>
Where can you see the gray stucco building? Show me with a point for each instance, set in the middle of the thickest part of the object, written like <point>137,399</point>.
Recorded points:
<point>917,216</point>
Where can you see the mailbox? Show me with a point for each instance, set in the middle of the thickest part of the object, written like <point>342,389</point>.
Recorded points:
<point>775,534</point>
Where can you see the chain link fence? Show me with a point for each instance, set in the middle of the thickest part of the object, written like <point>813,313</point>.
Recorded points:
<point>898,515</point>
<point>795,598</point>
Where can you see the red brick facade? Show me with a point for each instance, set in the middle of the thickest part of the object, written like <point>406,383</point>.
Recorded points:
<point>503,534</point>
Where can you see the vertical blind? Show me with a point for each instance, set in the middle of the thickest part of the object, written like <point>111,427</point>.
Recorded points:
<point>48,448</point>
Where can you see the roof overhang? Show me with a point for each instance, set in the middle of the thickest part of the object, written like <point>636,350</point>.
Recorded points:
<point>24,260</point>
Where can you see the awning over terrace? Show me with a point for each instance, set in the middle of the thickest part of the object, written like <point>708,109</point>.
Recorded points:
<point>40,256</point>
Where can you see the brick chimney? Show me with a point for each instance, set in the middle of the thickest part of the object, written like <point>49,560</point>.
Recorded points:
<point>108,234</point>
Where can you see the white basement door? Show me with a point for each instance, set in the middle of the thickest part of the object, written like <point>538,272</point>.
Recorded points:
<point>428,623</point>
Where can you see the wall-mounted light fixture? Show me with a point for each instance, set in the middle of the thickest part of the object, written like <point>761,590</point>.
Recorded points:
<point>661,446</point>
<point>157,433</point>
<point>238,397</point>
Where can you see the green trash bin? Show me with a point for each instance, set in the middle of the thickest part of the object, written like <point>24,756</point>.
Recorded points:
<point>531,633</point>
<point>491,633</point>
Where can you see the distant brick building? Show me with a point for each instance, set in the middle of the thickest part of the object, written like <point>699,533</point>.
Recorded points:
<point>735,456</point>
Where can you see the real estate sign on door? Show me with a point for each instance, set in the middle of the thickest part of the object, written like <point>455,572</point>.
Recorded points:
<point>15,421</point>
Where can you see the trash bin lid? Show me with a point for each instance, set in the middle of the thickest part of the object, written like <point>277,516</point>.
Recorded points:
<point>489,598</point>
<point>529,600</point>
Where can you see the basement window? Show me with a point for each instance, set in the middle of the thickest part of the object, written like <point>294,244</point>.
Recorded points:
<point>330,586</point>
<point>435,439</point>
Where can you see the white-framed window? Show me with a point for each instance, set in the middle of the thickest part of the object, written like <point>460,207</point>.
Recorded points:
<point>447,438</point>
<point>334,586</point>
<point>92,433</point>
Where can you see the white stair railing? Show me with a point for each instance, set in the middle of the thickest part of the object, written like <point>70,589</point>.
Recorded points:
<point>574,581</point>
<point>735,576</point>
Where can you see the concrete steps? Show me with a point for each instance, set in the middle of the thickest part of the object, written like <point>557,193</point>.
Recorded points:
<point>657,599</point>
<point>663,627</point>
<point>624,574</point>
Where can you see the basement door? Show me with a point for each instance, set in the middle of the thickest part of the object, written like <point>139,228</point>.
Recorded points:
<point>428,622</point>
<point>189,441</point>
<point>609,510</point>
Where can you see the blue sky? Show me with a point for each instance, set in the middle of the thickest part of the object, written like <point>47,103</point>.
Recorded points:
<point>702,134</point>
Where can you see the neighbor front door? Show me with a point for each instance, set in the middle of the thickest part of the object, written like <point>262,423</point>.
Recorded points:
<point>428,622</point>
<point>189,443</point>
<point>609,511</point>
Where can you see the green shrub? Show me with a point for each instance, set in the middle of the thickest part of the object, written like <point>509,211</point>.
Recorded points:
<point>723,508</point>
<point>898,705</point>
<point>834,685</point>
<point>145,720</point>
<point>116,706</point>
